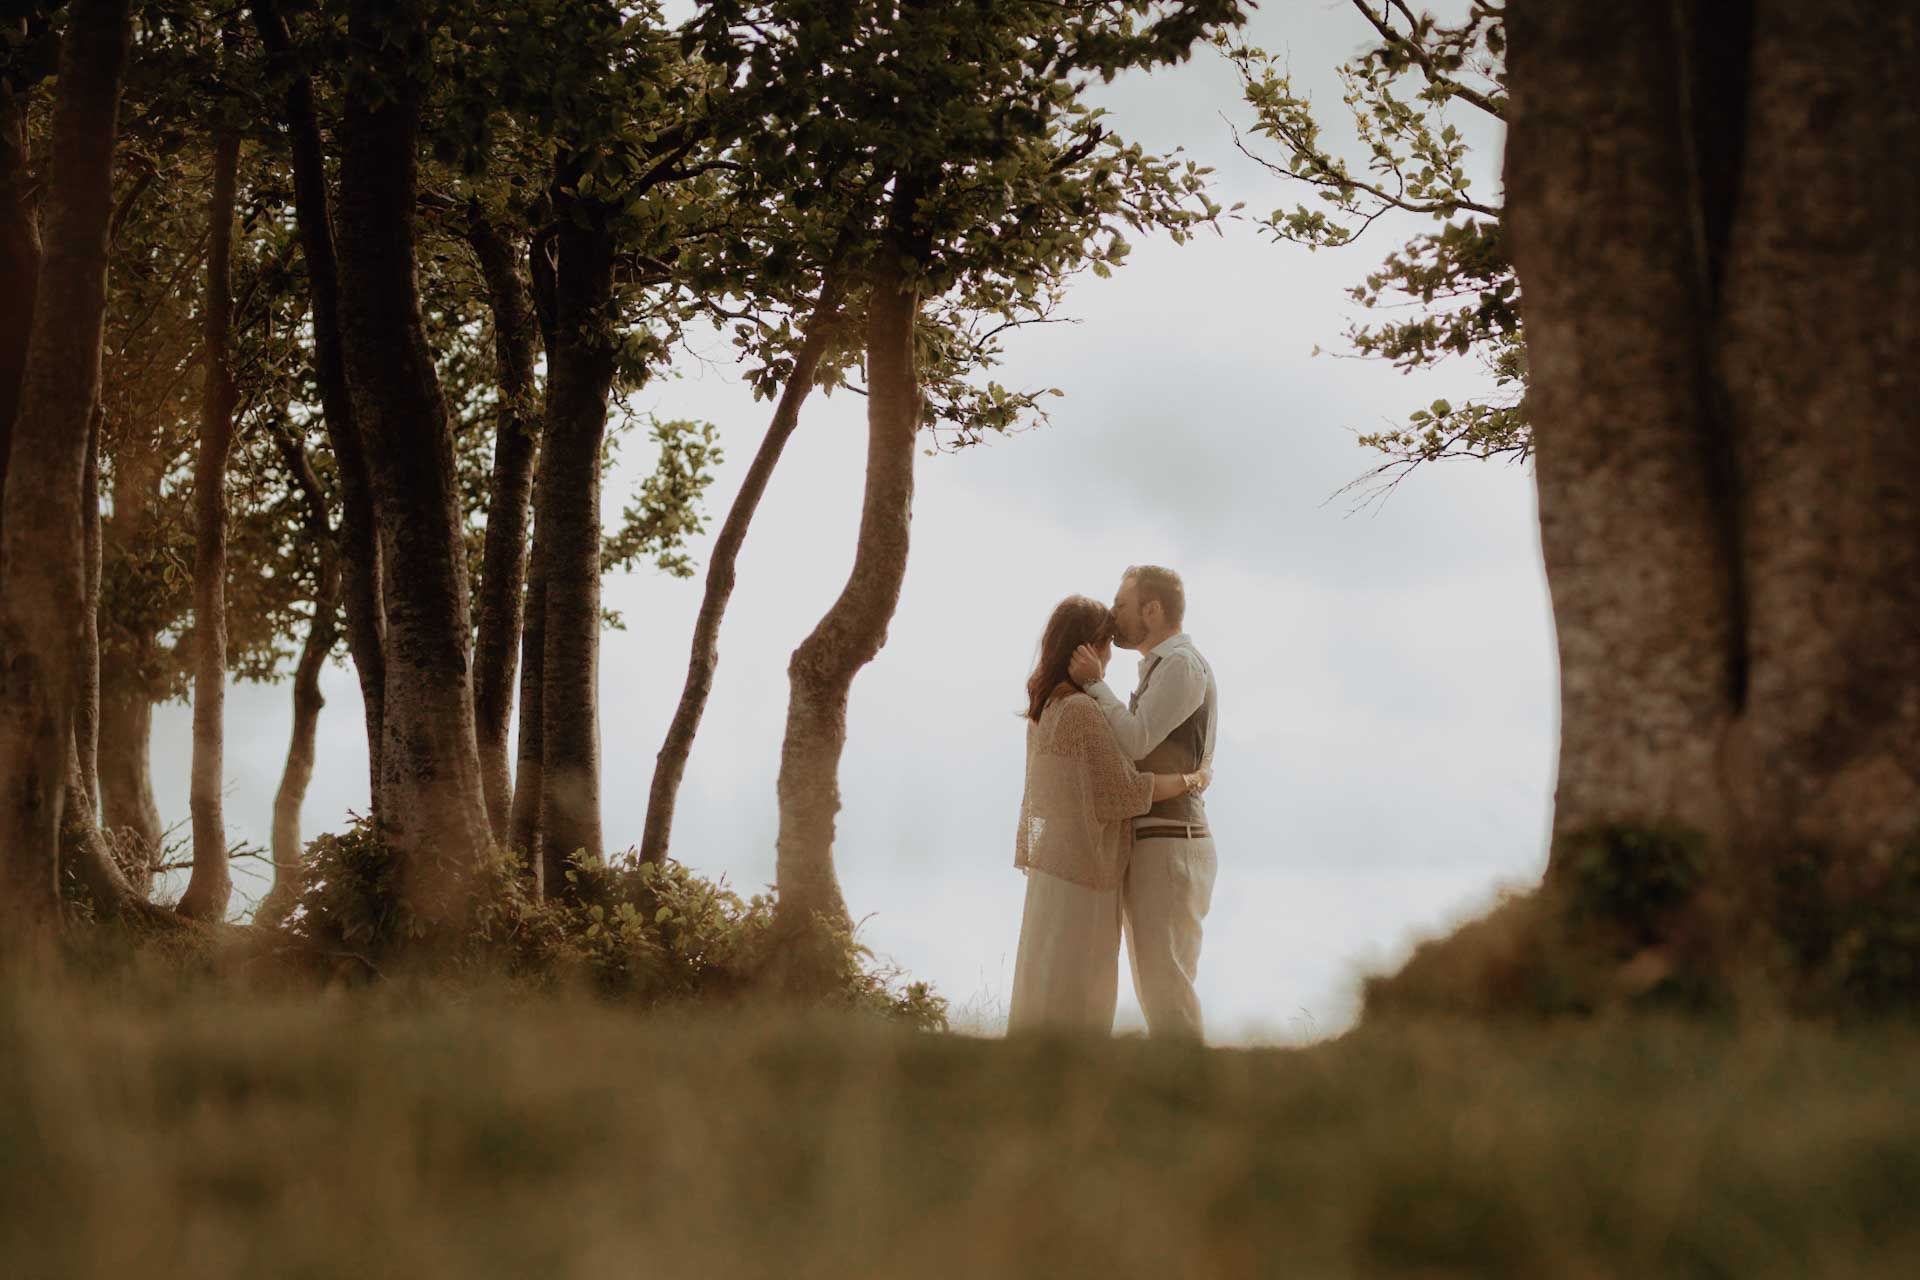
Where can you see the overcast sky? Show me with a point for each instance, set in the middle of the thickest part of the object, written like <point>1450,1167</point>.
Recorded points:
<point>1387,678</point>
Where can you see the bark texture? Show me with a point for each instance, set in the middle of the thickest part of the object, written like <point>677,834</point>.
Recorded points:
<point>503,569</point>
<point>210,886</point>
<point>42,559</point>
<point>432,807</point>
<point>1720,287</point>
<point>127,808</point>
<point>580,368</point>
<point>19,251</point>
<point>822,670</point>
<point>524,821</point>
<point>670,765</point>
<point>288,853</point>
<point>84,846</point>
<point>362,571</point>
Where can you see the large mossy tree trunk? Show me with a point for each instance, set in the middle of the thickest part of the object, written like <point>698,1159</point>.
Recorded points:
<point>432,806</point>
<point>703,658</point>
<point>821,672</point>
<point>210,884</point>
<point>361,566</point>
<point>1716,244</point>
<point>503,569</point>
<point>580,370</point>
<point>43,575</point>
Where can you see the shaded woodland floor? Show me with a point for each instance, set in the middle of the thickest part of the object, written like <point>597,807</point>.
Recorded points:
<point>148,1133</point>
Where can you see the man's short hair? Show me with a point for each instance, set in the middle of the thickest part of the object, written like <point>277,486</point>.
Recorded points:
<point>1164,585</point>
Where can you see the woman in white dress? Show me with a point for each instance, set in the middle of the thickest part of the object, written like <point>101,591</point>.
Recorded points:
<point>1076,831</point>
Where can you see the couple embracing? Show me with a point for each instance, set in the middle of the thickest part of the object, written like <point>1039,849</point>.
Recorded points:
<point>1113,836</point>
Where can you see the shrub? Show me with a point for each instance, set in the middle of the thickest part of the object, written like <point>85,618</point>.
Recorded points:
<point>628,930</point>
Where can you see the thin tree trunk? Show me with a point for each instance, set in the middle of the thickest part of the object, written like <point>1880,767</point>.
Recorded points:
<point>92,859</point>
<point>86,718</point>
<point>432,804</point>
<point>289,864</point>
<point>127,808</point>
<point>362,570</point>
<point>580,369</point>
<point>503,569</point>
<point>850,635</point>
<point>524,824</point>
<point>670,765</point>
<point>210,886</point>
<point>42,559</point>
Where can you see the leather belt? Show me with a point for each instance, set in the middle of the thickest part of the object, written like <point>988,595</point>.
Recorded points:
<point>1180,831</point>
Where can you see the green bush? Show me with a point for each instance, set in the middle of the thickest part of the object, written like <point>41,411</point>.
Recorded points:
<point>632,931</point>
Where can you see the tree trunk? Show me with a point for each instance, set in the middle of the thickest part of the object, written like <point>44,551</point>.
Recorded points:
<point>91,858</point>
<point>42,560</point>
<point>850,635</point>
<point>1720,291</point>
<point>86,716</point>
<point>210,887</point>
<point>127,808</point>
<point>361,567</point>
<point>289,863</point>
<point>503,569</point>
<point>670,765</point>
<point>524,823</point>
<point>580,369</point>
<point>19,253</point>
<point>432,805</point>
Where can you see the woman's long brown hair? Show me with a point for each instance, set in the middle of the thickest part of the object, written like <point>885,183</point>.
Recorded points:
<point>1077,620</point>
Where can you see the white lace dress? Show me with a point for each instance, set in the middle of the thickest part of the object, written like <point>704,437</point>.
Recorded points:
<point>1074,838</point>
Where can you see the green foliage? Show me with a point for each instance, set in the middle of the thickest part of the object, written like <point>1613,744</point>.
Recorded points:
<point>640,933</point>
<point>665,512</point>
<point>1457,281</point>
<point>1630,917</point>
<point>1851,930</point>
<point>954,141</point>
<point>1632,879</point>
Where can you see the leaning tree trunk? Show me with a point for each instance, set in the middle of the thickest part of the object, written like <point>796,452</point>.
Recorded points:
<point>210,886</point>
<point>849,636</point>
<point>580,368</point>
<point>1720,287</point>
<point>289,864</point>
<point>361,567</point>
<point>670,766</point>
<point>432,806</point>
<point>503,567</point>
<point>42,560</point>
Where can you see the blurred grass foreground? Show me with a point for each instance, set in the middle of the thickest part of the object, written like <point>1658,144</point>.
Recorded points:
<point>378,1133</point>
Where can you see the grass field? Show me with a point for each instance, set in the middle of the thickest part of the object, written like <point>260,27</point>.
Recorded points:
<point>147,1134</point>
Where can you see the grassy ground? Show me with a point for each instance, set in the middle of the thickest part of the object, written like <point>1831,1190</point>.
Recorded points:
<point>158,1135</point>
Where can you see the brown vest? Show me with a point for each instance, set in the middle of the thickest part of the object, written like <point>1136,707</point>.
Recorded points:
<point>1180,752</point>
